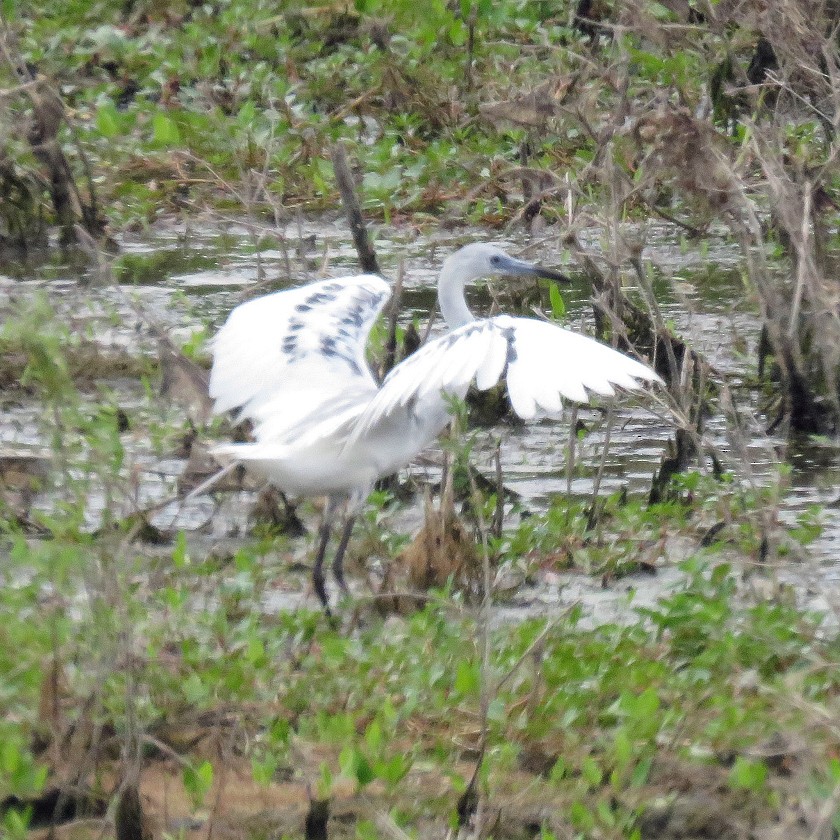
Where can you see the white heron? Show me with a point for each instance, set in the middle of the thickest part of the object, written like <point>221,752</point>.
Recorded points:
<point>293,363</point>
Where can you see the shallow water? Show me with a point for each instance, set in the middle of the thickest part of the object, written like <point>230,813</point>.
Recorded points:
<point>188,275</point>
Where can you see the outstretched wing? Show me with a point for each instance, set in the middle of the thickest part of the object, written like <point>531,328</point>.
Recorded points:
<point>548,364</point>
<point>543,364</point>
<point>285,358</point>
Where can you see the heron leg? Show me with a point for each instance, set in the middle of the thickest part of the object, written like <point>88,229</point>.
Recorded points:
<point>318,568</point>
<point>338,560</point>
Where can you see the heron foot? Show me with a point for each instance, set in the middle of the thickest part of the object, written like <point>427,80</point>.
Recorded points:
<point>338,573</point>
<point>338,560</point>
<point>319,585</point>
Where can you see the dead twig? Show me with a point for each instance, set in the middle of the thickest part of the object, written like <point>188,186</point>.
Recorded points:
<point>352,209</point>
<point>393,314</point>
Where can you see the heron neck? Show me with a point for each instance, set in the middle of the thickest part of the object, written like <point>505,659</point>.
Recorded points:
<point>453,304</point>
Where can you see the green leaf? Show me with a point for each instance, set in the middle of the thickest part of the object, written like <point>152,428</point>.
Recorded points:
<point>246,114</point>
<point>641,772</point>
<point>195,691</point>
<point>660,11</point>
<point>180,558</point>
<point>466,678</point>
<point>255,652</point>
<point>647,704</point>
<point>497,711</point>
<point>458,33</point>
<point>366,830</point>
<point>558,771</point>
<point>165,131</point>
<point>364,772</point>
<point>591,772</point>
<point>198,781</point>
<point>16,823</point>
<point>622,748</point>
<point>373,737</point>
<point>393,770</point>
<point>323,789</point>
<point>354,765</point>
<point>558,306</point>
<point>747,774</point>
<point>346,759</point>
<point>581,817</point>
<point>108,120</point>
<point>263,769</point>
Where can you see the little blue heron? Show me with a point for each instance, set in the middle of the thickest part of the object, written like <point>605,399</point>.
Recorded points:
<point>293,363</point>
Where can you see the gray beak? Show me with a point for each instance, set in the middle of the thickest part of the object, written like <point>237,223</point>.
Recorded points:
<point>519,268</point>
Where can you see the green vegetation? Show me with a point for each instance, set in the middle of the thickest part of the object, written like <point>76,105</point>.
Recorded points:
<point>137,654</point>
<point>186,104</point>
<point>112,646</point>
<point>236,102</point>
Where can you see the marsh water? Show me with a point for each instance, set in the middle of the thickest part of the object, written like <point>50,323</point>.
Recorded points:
<point>182,277</point>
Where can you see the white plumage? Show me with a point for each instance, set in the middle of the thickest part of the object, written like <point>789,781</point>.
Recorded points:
<point>293,363</point>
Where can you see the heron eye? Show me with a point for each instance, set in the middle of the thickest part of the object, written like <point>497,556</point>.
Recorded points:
<point>494,260</point>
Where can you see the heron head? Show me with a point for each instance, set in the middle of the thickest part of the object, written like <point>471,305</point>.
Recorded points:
<point>484,260</point>
<point>479,260</point>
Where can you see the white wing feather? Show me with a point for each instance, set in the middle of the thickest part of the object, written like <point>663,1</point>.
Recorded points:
<point>281,358</point>
<point>543,363</point>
